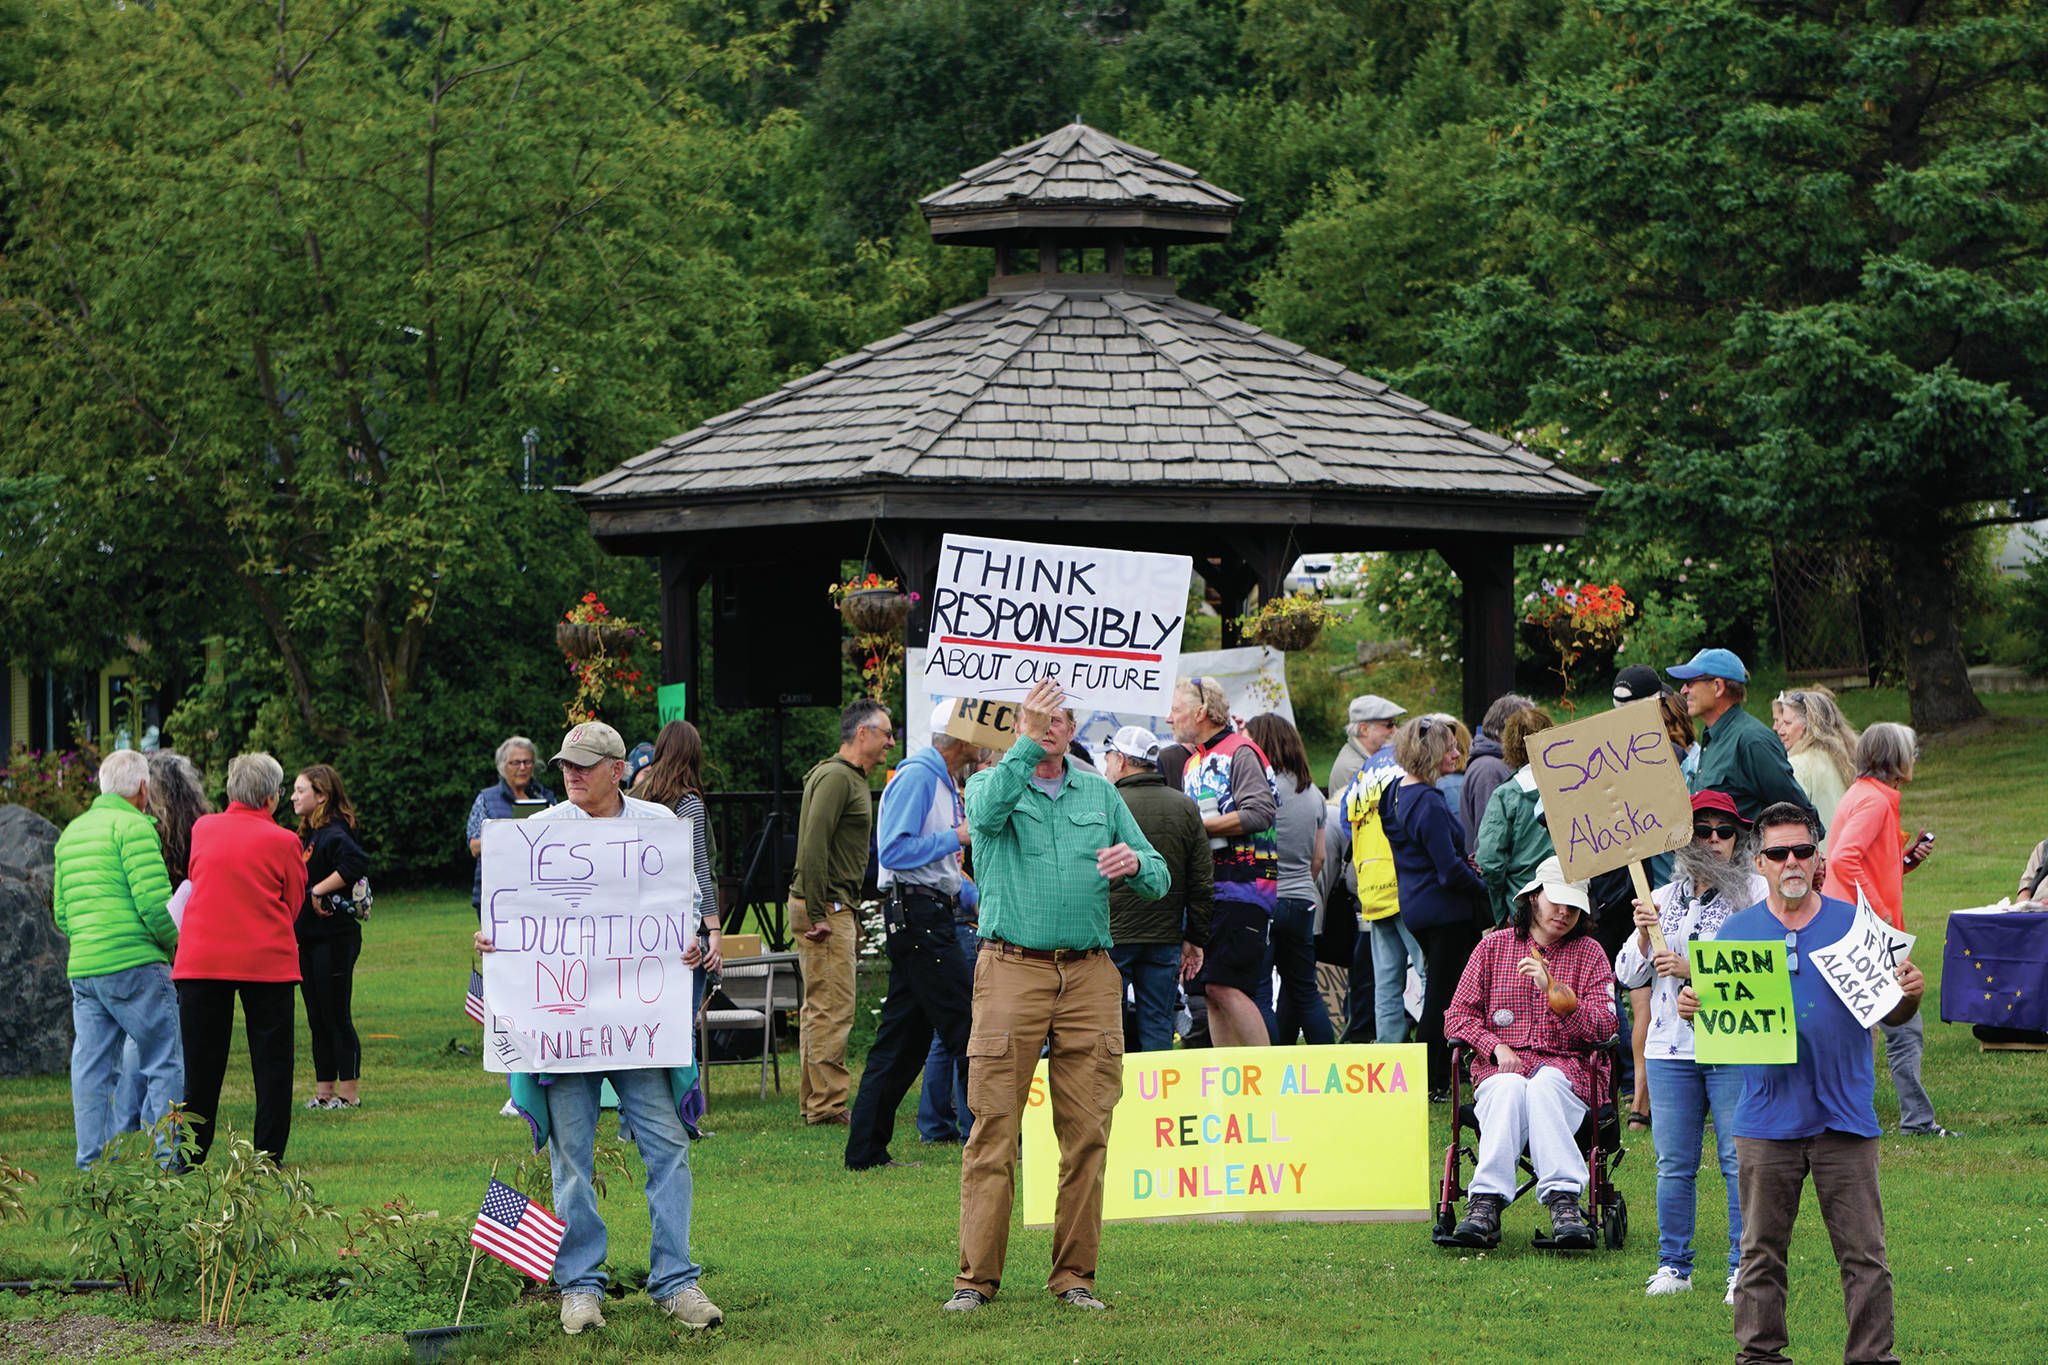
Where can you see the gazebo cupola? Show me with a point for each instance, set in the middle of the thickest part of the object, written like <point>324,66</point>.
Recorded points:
<point>1078,211</point>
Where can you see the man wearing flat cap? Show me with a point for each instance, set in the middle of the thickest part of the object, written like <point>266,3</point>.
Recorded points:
<point>1369,725</point>
<point>1739,754</point>
<point>562,1107</point>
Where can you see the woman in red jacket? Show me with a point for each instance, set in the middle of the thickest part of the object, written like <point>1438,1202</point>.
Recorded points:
<point>1866,851</point>
<point>248,882</point>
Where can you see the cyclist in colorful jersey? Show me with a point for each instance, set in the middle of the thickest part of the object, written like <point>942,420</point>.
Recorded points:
<point>1230,779</point>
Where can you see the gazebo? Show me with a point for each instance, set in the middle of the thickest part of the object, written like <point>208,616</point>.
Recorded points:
<point>1082,401</point>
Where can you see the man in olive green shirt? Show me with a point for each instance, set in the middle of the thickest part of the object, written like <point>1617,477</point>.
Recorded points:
<point>831,862</point>
<point>1049,840</point>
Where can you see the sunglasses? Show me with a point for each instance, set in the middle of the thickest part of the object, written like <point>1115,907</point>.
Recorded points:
<point>1800,851</point>
<point>1792,951</point>
<point>1707,830</point>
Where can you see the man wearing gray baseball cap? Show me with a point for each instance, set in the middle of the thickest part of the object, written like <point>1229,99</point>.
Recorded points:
<point>1368,737</point>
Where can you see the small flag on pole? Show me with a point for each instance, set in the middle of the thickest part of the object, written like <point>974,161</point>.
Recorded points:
<point>473,1003</point>
<point>517,1231</point>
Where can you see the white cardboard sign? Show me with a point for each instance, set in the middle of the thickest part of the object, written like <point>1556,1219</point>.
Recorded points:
<point>591,919</point>
<point>1858,966</point>
<point>1104,624</point>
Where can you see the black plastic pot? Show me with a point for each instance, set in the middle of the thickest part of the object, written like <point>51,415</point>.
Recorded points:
<point>429,1342</point>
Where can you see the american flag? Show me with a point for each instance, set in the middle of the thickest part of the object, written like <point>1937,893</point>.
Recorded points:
<point>517,1231</point>
<point>473,1003</point>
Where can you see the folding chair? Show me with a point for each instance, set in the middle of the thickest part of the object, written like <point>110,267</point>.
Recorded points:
<point>757,991</point>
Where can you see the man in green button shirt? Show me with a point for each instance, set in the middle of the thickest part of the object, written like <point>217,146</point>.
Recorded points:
<point>1739,754</point>
<point>1049,840</point>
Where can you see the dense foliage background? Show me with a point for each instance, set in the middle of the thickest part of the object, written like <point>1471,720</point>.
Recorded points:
<point>311,308</point>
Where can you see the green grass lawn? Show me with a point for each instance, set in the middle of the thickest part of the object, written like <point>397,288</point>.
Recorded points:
<point>811,1262</point>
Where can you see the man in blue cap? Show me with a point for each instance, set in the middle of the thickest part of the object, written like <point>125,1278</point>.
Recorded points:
<point>1739,754</point>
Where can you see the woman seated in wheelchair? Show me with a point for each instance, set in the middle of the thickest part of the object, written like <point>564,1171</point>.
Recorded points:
<point>1535,1004</point>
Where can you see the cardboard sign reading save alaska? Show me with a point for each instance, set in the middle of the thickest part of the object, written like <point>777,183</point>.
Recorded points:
<point>1612,792</point>
<point>1745,991</point>
<point>1103,624</point>
<point>1253,1134</point>
<point>591,919</point>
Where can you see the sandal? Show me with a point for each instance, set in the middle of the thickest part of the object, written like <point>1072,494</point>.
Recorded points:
<point>1638,1120</point>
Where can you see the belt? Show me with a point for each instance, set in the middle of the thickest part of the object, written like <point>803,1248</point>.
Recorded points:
<point>913,891</point>
<point>1039,954</point>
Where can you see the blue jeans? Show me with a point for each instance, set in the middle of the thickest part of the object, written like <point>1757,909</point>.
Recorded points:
<point>648,1108</point>
<point>1151,970</point>
<point>942,1113</point>
<point>1291,949</point>
<point>1394,946</point>
<point>1681,1093</point>
<point>138,1003</point>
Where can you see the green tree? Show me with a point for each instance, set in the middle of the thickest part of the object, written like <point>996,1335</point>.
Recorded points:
<point>1787,267</point>
<point>286,289</point>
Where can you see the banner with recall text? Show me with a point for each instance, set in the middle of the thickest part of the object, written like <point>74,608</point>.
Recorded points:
<point>591,919</point>
<point>1103,624</point>
<point>1253,1134</point>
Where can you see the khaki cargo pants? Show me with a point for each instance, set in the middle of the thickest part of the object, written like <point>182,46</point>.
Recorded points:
<point>826,1019</point>
<point>1018,1004</point>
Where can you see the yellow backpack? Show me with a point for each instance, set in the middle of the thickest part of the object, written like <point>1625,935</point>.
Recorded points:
<point>1372,857</point>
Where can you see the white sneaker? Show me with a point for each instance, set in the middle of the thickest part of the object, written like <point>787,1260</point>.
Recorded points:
<point>689,1307</point>
<point>1668,1281</point>
<point>1729,1297</point>
<point>510,1111</point>
<point>580,1311</point>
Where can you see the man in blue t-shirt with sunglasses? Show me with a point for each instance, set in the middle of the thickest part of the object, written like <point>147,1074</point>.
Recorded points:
<point>1812,1117</point>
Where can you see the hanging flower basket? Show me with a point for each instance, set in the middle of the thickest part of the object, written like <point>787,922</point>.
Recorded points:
<point>579,640</point>
<point>1288,623</point>
<point>875,611</point>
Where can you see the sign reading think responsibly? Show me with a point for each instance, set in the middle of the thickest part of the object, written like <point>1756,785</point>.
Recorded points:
<point>1612,792</point>
<point>591,919</point>
<point>1253,1134</point>
<point>1103,624</point>
<point>1745,992</point>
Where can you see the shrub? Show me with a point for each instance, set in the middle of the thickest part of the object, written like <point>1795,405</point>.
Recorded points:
<point>57,786</point>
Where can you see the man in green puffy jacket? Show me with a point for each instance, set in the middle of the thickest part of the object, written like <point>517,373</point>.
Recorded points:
<point>111,899</point>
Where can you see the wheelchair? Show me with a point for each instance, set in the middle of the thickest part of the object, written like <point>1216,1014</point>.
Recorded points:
<point>1599,1139</point>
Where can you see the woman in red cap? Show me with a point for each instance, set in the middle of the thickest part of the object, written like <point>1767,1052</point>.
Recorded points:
<point>1713,879</point>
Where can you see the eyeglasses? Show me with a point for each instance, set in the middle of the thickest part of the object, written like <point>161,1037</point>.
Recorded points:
<point>519,763</point>
<point>1800,851</point>
<point>1708,830</point>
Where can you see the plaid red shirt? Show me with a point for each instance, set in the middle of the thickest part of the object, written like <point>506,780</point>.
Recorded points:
<point>1496,1004</point>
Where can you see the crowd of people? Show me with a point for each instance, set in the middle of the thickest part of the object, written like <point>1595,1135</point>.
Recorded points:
<point>1037,903</point>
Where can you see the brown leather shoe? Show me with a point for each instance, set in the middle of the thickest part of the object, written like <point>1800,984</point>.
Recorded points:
<point>841,1119</point>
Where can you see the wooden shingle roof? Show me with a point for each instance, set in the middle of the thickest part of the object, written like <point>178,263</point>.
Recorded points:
<point>1080,165</point>
<point>1120,391</point>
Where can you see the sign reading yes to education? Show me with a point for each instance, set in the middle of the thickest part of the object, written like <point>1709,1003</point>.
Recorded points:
<point>1103,624</point>
<point>1612,792</point>
<point>1745,991</point>
<point>591,919</point>
<point>1253,1134</point>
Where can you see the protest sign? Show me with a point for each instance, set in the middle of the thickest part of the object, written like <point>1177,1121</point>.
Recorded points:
<point>591,919</point>
<point>1103,624</point>
<point>1745,991</point>
<point>987,724</point>
<point>1251,1134</point>
<point>669,699</point>
<point>1860,966</point>
<point>1612,792</point>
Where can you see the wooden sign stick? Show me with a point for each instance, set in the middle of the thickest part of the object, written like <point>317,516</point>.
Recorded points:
<point>1642,881</point>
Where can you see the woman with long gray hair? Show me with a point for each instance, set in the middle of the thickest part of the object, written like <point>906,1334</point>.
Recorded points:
<point>1714,879</point>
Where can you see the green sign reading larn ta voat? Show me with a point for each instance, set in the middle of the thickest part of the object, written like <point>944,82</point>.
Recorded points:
<point>1745,991</point>
<point>668,700</point>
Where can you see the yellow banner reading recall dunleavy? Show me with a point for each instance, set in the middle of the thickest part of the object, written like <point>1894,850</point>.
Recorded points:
<point>1251,1134</point>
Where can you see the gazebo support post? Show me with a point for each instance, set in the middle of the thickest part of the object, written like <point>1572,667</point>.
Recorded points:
<point>1486,567</point>
<point>681,581</point>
